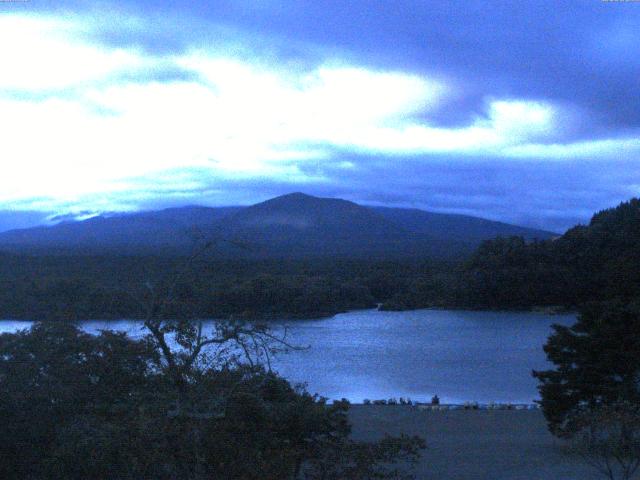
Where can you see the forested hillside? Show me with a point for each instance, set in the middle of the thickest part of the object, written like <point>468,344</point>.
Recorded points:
<point>599,261</point>
<point>112,287</point>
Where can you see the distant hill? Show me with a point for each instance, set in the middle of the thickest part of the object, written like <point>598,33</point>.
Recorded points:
<point>290,226</point>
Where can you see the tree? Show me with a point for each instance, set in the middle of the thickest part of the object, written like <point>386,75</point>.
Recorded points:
<point>608,438</point>
<point>184,348</point>
<point>597,363</point>
<point>55,378</point>
<point>187,402</point>
<point>72,402</point>
<point>592,397</point>
<point>277,431</point>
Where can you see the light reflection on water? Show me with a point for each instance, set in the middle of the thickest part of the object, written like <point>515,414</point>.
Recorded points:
<point>459,355</point>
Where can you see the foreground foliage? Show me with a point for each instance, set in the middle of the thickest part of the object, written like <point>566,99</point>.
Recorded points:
<point>592,396</point>
<point>79,406</point>
<point>608,439</point>
<point>597,362</point>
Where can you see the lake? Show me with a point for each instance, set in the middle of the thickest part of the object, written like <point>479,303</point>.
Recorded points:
<point>458,355</point>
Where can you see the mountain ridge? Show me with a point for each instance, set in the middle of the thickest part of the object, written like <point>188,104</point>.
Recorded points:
<point>293,225</point>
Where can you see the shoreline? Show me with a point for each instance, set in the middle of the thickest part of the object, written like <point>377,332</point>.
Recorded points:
<point>542,309</point>
<point>271,318</point>
<point>437,407</point>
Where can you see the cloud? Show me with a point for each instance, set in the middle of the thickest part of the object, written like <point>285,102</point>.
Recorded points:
<point>42,53</point>
<point>240,119</point>
<point>107,110</point>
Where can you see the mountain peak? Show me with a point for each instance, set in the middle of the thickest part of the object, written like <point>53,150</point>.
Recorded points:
<point>304,211</point>
<point>294,196</point>
<point>299,200</point>
<point>293,225</point>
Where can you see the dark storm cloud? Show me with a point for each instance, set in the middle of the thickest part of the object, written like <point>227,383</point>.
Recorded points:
<point>580,56</point>
<point>587,53</point>
<point>584,54</point>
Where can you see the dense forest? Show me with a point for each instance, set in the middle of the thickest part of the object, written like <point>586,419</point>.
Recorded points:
<point>110,287</point>
<point>595,262</point>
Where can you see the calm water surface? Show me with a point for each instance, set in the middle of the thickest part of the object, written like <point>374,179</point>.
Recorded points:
<point>459,355</point>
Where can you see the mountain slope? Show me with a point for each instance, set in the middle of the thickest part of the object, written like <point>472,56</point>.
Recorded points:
<point>313,218</point>
<point>290,226</point>
<point>170,229</point>
<point>300,225</point>
<point>463,228</point>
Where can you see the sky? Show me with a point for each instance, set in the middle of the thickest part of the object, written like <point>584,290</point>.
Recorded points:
<point>524,112</point>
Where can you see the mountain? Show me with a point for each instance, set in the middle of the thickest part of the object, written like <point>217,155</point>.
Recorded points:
<point>301,225</point>
<point>461,228</point>
<point>291,226</point>
<point>311,218</point>
<point>171,229</point>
